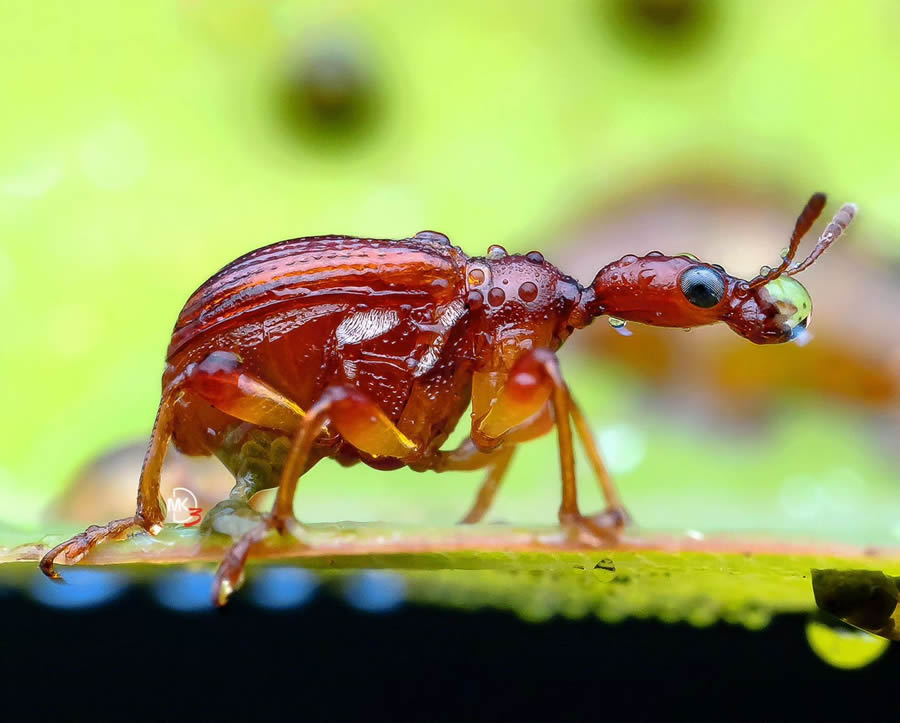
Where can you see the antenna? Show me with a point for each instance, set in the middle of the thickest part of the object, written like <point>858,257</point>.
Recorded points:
<point>805,220</point>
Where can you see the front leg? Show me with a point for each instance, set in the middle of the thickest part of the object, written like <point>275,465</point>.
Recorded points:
<point>534,379</point>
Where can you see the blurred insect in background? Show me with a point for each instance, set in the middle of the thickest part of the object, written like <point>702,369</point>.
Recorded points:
<point>714,380</point>
<point>371,350</point>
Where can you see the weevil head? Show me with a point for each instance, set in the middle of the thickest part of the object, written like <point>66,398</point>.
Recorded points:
<point>682,291</point>
<point>677,291</point>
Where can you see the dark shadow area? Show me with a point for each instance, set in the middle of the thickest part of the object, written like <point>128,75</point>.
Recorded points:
<point>328,660</point>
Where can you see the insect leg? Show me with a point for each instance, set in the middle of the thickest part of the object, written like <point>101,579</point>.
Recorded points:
<point>221,380</point>
<point>615,513</point>
<point>149,513</point>
<point>469,457</point>
<point>361,422</point>
<point>489,486</point>
<point>358,419</point>
<point>534,378</point>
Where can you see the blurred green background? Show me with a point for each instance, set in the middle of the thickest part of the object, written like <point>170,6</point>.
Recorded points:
<point>145,145</point>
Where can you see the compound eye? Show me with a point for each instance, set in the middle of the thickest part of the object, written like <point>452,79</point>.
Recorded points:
<point>702,286</point>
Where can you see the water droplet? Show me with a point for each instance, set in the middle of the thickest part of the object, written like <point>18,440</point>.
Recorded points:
<point>687,255</point>
<point>842,646</point>
<point>619,325</point>
<point>603,570</point>
<point>474,300</point>
<point>764,270</point>
<point>528,291</point>
<point>496,251</point>
<point>476,277</point>
<point>435,236</point>
<point>496,296</point>
<point>535,257</point>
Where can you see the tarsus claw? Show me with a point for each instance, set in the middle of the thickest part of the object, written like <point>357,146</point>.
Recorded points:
<point>80,545</point>
<point>230,575</point>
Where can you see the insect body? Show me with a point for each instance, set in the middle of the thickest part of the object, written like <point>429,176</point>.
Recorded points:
<point>371,350</point>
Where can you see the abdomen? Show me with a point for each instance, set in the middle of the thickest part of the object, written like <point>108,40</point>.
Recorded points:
<point>305,314</point>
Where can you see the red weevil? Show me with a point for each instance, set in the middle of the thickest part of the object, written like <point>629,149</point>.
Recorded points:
<point>371,350</point>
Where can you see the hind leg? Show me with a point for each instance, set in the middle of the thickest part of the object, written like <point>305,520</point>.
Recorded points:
<point>469,457</point>
<point>490,485</point>
<point>219,380</point>
<point>360,422</point>
<point>149,513</point>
